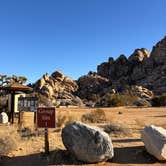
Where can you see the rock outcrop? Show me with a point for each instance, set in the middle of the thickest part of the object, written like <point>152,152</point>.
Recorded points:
<point>142,69</point>
<point>154,139</point>
<point>91,84</point>
<point>88,144</point>
<point>142,74</point>
<point>58,89</point>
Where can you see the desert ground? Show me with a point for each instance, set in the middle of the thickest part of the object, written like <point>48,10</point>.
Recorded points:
<point>25,143</point>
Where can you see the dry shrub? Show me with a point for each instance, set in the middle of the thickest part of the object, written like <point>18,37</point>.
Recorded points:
<point>63,120</point>
<point>117,129</point>
<point>116,100</point>
<point>9,139</point>
<point>96,116</point>
<point>7,144</point>
<point>28,133</point>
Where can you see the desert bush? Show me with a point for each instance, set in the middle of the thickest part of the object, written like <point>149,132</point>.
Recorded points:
<point>27,132</point>
<point>63,120</point>
<point>96,116</point>
<point>7,144</point>
<point>115,100</point>
<point>117,129</point>
<point>159,101</point>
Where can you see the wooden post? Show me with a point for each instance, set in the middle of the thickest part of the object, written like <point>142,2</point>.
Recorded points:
<point>46,142</point>
<point>12,107</point>
<point>20,119</point>
<point>35,123</point>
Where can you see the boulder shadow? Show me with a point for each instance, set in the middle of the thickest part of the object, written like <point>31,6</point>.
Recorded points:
<point>63,157</point>
<point>57,157</point>
<point>132,155</point>
<point>28,160</point>
<point>125,140</point>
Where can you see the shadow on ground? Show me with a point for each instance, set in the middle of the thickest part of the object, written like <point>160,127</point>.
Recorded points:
<point>29,160</point>
<point>58,157</point>
<point>123,155</point>
<point>158,116</point>
<point>126,140</point>
<point>132,155</point>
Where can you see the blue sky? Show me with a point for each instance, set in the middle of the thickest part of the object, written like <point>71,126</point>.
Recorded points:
<point>74,36</point>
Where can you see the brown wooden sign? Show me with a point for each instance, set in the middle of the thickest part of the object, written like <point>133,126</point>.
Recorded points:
<point>46,117</point>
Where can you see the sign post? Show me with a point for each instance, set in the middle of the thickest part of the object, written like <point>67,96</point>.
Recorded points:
<point>46,119</point>
<point>46,141</point>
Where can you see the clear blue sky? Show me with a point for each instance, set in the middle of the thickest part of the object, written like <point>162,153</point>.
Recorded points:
<point>74,36</point>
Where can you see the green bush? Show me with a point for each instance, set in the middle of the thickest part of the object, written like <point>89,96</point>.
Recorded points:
<point>115,100</point>
<point>96,116</point>
<point>159,101</point>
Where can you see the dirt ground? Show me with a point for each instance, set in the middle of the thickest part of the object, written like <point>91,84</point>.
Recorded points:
<point>129,150</point>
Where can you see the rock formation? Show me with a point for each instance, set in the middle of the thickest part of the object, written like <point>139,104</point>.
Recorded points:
<point>88,144</point>
<point>142,74</point>
<point>142,69</point>
<point>58,89</point>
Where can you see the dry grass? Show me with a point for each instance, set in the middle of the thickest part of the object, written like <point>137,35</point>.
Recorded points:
<point>8,139</point>
<point>64,118</point>
<point>117,129</point>
<point>142,123</point>
<point>117,125</point>
<point>96,116</point>
<point>7,144</point>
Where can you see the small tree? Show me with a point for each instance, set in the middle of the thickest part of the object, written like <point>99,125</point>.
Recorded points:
<point>4,80</point>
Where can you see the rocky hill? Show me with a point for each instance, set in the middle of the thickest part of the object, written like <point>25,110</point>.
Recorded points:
<point>136,78</point>
<point>142,72</point>
<point>57,90</point>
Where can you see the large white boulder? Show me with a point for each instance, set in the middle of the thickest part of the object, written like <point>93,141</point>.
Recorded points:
<point>4,118</point>
<point>154,139</point>
<point>88,144</point>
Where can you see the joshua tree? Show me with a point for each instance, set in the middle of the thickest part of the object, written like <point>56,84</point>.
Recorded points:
<point>4,80</point>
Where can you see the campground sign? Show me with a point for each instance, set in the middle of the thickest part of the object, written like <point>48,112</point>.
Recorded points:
<point>46,117</point>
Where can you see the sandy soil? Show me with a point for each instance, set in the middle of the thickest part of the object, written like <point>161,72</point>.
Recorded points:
<point>129,149</point>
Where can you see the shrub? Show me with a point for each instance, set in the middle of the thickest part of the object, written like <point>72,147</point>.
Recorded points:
<point>96,116</point>
<point>27,132</point>
<point>115,100</point>
<point>63,120</point>
<point>7,144</point>
<point>117,129</point>
<point>159,101</point>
